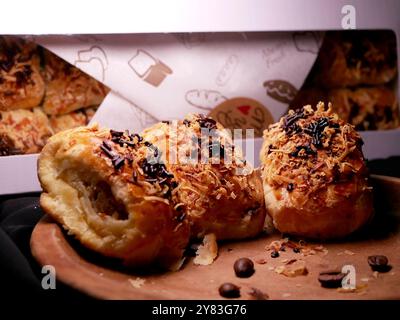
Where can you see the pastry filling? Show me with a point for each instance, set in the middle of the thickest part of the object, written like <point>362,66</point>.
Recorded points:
<point>96,195</point>
<point>104,203</point>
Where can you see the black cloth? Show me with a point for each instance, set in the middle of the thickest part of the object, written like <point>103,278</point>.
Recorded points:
<point>20,275</point>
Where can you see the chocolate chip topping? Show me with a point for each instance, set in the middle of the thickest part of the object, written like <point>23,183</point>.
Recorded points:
<point>106,148</point>
<point>207,123</point>
<point>307,151</point>
<point>115,133</point>
<point>137,136</point>
<point>118,162</point>
<point>315,130</point>
<point>289,121</point>
<point>155,171</point>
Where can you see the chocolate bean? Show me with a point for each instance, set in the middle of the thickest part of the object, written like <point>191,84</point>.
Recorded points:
<point>331,279</point>
<point>274,254</point>
<point>244,268</point>
<point>379,263</point>
<point>229,290</point>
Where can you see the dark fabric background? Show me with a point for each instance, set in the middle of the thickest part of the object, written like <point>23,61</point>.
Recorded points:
<point>20,275</point>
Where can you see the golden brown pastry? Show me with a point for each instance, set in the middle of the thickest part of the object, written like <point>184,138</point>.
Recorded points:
<point>367,108</point>
<point>350,58</point>
<point>314,175</point>
<point>23,131</point>
<point>72,120</point>
<point>370,108</point>
<point>217,196</point>
<point>105,189</point>
<point>68,88</point>
<point>21,84</point>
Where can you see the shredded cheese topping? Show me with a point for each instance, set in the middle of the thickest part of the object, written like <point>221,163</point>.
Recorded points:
<point>308,150</point>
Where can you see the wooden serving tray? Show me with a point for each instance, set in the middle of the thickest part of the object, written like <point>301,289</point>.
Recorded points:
<point>103,278</point>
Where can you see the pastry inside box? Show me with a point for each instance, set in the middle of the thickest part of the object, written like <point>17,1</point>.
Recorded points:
<point>40,95</point>
<point>357,72</point>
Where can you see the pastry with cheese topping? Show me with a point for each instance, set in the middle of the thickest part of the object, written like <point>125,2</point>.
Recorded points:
<point>23,131</point>
<point>21,84</point>
<point>218,191</point>
<point>314,175</point>
<point>108,189</point>
<point>68,88</point>
<point>72,120</point>
<point>353,58</point>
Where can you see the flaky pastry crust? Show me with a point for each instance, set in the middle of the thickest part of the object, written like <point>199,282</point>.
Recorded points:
<point>100,186</point>
<point>220,197</point>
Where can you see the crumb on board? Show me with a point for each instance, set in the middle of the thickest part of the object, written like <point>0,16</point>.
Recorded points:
<point>301,246</point>
<point>137,283</point>
<point>358,289</point>
<point>207,252</point>
<point>292,268</point>
<point>261,261</point>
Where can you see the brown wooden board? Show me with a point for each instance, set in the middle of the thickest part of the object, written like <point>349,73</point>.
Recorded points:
<point>102,278</point>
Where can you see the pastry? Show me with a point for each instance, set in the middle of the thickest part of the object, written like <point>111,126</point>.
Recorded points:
<point>218,191</point>
<point>108,189</point>
<point>369,108</point>
<point>314,176</point>
<point>21,84</point>
<point>23,131</point>
<point>353,58</point>
<point>68,88</point>
<point>72,120</point>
